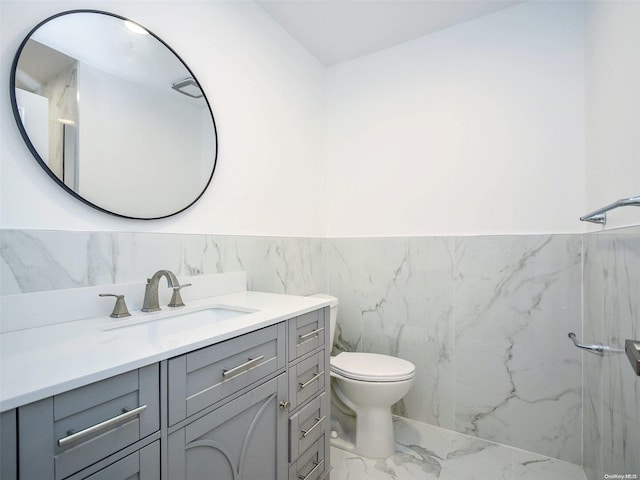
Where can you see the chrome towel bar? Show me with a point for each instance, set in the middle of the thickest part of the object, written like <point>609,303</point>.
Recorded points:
<point>596,348</point>
<point>600,216</point>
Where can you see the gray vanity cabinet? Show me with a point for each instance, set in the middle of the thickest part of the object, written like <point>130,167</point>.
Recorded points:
<point>245,439</point>
<point>224,409</point>
<point>254,407</point>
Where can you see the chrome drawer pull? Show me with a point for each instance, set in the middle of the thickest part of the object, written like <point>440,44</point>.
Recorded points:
<point>311,380</point>
<point>241,368</point>
<point>101,426</point>
<point>317,466</point>
<point>311,334</point>
<point>318,422</point>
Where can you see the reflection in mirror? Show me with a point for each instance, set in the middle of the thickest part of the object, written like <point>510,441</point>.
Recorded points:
<point>114,115</point>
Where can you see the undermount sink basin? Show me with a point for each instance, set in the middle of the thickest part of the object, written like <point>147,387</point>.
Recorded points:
<point>188,318</point>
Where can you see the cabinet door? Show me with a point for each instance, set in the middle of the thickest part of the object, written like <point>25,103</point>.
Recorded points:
<point>246,439</point>
<point>141,465</point>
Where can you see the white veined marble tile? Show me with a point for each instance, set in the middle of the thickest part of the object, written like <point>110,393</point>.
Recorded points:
<point>517,297</point>
<point>400,466</point>
<point>50,260</point>
<point>421,450</point>
<point>344,272</point>
<point>228,253</point>
<point>475,459</point>
<point>255,255</point>
<point>202,255</point>
<point>137,256</point>
<point>485,321</point>
<point>431,398</point>
<point>300,266</point>
<point>397,299</point>
<point>427,452</point>
<point>529,466</point>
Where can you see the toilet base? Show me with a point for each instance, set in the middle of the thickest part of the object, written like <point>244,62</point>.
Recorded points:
<point>374,433</point>
<point>368,434</point>
<point>374,442</point>
<point>343,440</point>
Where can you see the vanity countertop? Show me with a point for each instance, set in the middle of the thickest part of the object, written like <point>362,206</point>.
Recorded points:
<point>36,363</point>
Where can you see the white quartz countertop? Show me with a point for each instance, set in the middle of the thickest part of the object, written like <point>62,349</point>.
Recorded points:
<point>40,362</point>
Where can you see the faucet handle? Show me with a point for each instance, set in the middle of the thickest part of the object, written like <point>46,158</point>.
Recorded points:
<point>120,308</point>
<point>176,298</point>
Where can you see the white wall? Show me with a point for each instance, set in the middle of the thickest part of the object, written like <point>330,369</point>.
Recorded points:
<point>612,82</point>
<point>267,95</point>
<point>477,129</point>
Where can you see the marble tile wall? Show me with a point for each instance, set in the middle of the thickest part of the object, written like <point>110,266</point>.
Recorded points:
<point>35,260</point>
<point>484,319</point>
<point>611,389</point>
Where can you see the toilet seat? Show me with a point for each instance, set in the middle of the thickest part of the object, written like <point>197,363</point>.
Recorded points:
<point>372,367</point>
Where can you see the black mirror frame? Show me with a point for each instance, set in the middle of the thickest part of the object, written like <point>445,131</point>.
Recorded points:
<point>41,162</point>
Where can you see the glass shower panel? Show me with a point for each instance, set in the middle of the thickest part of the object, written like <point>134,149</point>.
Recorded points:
<point>611,429</point>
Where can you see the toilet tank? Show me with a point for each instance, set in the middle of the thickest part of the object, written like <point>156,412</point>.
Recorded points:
<point>333,314</point>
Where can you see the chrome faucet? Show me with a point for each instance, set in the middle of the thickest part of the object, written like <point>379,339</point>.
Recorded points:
<point>151,303</point>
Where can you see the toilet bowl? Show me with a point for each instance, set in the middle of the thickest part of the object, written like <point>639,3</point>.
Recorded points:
<point>369,384</point>
<point>365,386</point>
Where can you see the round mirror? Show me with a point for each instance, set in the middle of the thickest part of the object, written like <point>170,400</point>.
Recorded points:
<point>113,115</point>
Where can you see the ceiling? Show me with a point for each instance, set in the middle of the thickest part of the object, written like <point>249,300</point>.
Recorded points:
<point>335,31</point>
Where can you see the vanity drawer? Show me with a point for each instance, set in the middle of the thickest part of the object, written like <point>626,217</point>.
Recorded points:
<point>306,379</point>
<point>202,378</point>
<point>311,464</point>
<point>307,426</point>
<point>142,464</point>
<point>306,333</point>
<point>68,432</point>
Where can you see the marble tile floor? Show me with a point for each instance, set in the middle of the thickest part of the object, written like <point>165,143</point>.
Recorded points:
<point>428,452</point>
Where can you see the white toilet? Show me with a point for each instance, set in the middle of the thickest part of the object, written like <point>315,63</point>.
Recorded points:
<point>366,385</point>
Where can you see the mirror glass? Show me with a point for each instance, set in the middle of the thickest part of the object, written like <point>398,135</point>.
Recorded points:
<point>113,115</point>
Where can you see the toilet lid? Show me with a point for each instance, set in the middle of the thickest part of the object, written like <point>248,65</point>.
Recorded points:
<point>372,367</point>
